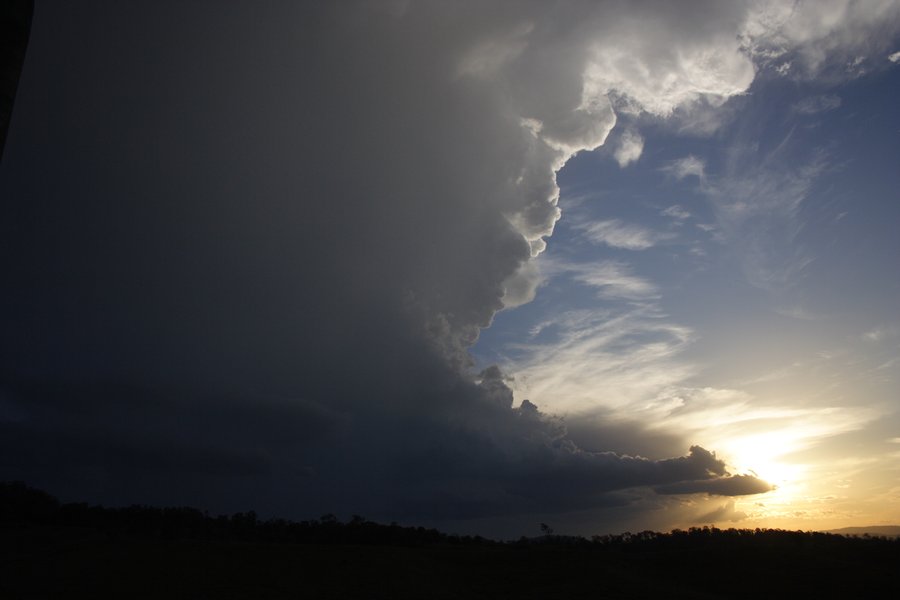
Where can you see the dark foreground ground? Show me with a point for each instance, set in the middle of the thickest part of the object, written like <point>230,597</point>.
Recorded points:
<point>77,551</point>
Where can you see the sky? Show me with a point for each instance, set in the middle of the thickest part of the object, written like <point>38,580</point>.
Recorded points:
<point>604,265</point>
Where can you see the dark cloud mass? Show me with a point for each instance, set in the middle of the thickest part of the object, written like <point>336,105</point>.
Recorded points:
<point>245,250</point>
<point>737,485</point>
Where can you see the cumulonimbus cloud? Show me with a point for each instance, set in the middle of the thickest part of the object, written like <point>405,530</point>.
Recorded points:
<point>267,244</point>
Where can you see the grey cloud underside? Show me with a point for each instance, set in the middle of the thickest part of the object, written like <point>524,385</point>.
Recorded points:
<point>245,253</point>
<point>738,485</point>
<point>466,455</point>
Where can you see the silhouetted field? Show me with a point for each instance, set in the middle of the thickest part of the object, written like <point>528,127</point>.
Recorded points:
<point>48,550</point>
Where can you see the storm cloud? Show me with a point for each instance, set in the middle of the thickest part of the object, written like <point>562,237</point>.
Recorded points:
<point>247,248</point>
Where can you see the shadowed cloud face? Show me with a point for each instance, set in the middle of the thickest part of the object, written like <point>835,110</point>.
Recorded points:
<point>245,251</point>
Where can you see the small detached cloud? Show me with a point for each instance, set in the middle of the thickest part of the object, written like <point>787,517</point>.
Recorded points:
<point>856,66</point>
<point>631,145</point>
<point>895,57</point>
<point>879,334</point>
<point>685,167</point>
<point>783,69</point>
<point>676,213</point>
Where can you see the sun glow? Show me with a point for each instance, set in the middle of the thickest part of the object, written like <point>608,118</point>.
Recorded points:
<point>763,455</point>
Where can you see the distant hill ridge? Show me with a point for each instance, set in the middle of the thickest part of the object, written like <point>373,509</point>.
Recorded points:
<point>887,530</point>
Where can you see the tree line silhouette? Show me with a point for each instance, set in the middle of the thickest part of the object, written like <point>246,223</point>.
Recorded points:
<point>20,503</point>
<point>54,550</point>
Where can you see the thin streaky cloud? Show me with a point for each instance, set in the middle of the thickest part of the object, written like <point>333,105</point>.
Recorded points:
<point>617,234</point>
<point>676,212</point>
<point>757,204</point>
<point>817,104</point>
<point>601,360</point>
<point>613,279</point>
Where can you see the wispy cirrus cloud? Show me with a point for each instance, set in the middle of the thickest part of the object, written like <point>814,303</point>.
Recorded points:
<point>612,279</point>
<point>817,104</point>
<point>590,360</point>
<point>686,167</point>
<point>881,333</point>
<point>618,234</point>
<point>757,204</point>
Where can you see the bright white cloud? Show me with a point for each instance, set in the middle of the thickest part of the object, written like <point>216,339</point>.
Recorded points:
<point>520,287</point>
<point>820,38</point>
<point>656,61</point>
<point>895,57</point>
<point>630,147</point>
